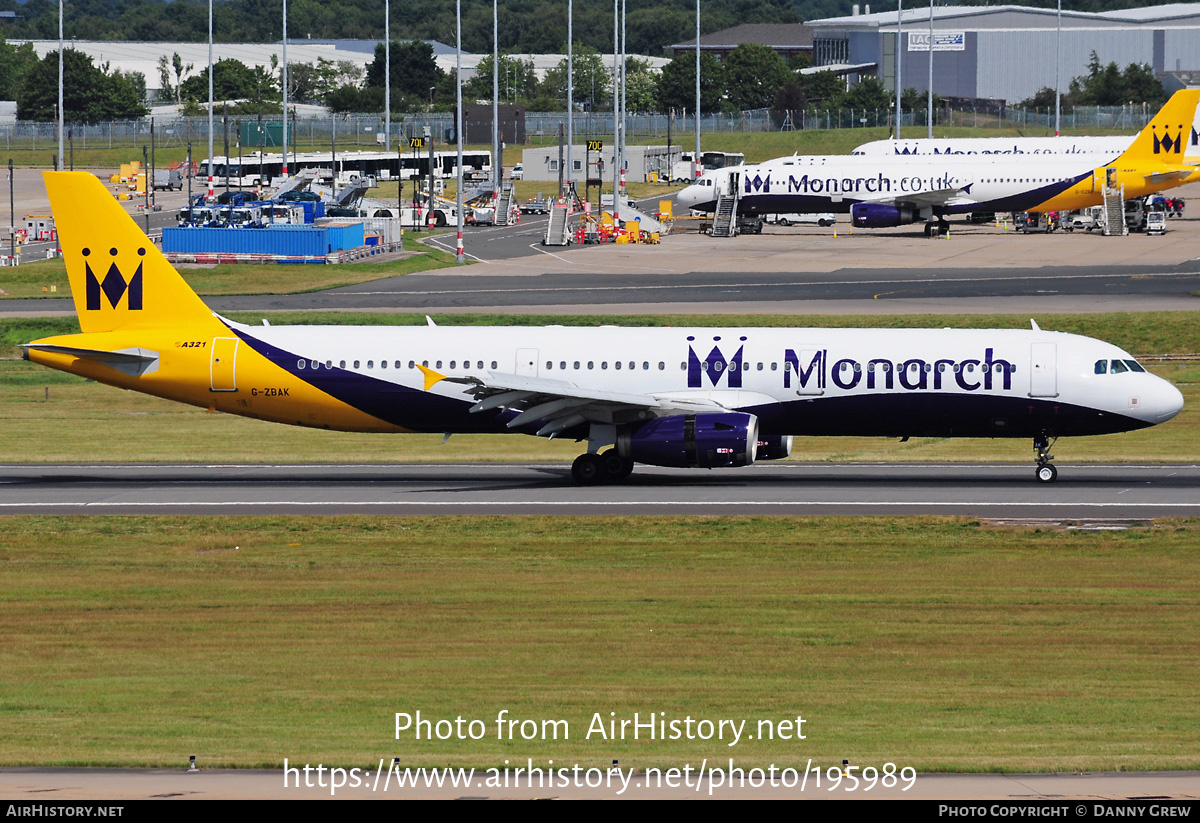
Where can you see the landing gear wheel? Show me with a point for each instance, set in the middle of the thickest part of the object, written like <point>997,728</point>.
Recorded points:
<point>1045,473</point>
<point>616,468</point>
<point>929,229</point>
<point>588,470</point>
<point>943,228</point>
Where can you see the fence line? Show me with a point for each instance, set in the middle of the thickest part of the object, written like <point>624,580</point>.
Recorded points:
<point>360,130</point>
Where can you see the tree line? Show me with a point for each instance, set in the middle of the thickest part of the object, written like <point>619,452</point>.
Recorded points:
<point>751,77</point>
<point>525,26</point>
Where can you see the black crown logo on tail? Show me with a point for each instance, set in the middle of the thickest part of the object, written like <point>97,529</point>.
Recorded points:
<point>114,285</point>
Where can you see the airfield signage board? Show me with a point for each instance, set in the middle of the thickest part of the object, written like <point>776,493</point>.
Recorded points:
<point>942,41</point>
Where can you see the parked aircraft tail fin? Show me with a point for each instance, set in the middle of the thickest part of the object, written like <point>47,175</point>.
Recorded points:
<point>1167,137</point>
<point>119,279</point>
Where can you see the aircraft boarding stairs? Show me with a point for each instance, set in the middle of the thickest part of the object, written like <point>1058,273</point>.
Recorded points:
<point>725,221</point>
<point>558,228</point>
<point>504,205</point>
<point>648,223</point>
<point>297,182</point>
<point>1114,211</point>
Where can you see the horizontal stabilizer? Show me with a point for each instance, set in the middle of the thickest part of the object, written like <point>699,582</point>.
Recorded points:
<point>1164,176</point>
<point>134,362</point>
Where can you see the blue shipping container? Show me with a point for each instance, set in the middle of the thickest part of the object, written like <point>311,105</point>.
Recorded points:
<point>346,236</point>
<point>280,240</point>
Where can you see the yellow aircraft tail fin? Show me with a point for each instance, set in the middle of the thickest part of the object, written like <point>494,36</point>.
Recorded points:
<point>1166,137</point>
<point>119,279</point>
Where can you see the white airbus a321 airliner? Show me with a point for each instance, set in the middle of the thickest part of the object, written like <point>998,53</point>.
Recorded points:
<point>685,397</point>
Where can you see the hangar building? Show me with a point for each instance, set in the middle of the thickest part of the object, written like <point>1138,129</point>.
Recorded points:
<point>1004,52</point>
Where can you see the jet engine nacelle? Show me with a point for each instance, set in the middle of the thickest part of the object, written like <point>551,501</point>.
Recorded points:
<point>706,441</point>
<point>880,216</point>
<point>774,447</point>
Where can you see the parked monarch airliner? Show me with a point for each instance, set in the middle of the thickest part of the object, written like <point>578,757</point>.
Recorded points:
<point>1110,145</point>
<point>683,397</point>
<point>884,191</point>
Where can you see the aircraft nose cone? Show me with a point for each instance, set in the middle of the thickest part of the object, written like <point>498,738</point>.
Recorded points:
<point>1168,402</point>
<point>688,197</point>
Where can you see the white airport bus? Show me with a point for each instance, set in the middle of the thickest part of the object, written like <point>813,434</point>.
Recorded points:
<point>684,170</point>
<point>252,170</point>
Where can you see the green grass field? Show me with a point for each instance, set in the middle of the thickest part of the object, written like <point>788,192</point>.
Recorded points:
<point>945,645</point>
<point>52,416</point>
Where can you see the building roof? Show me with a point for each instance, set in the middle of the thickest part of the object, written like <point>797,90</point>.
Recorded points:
<point>774,35</point>
<point>970,17</point>
<point>1155,14</point>
<point>143,57</point>
<point>838,68</point>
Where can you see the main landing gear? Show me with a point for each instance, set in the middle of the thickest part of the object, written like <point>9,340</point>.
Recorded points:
<point>940,228</point>
<point>1046,472</point>
<point>594,469</point>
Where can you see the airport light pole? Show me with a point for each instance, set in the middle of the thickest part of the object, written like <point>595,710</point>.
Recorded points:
<point>696,158</point>
<point>60,83</point>
<point>1058,72</point>
<point>497,168</point>
<point>624,71</point>
<point>285,94</point>
<point>570,87</point>
<point>387,81</point>
<point>459,255</point>
<point>12,215</point>
<point>616,123</point>
<point>899,85</point>
<point>210,100</point>
<point>929,93</point>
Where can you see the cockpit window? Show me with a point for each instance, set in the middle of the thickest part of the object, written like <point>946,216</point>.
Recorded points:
<point>1134,365</point>
<point>1118,366</point>
<point>1101,367</point>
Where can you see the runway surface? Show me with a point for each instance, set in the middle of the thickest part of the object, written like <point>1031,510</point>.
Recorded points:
<point>1084,492</point>
<point>705,290</point>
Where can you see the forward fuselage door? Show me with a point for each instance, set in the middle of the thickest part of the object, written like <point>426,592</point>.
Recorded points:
<point>1043,370</point>
<point>527,362</point>
<point>224,364</point>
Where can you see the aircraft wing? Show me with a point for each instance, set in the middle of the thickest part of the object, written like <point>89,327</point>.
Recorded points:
<point>925,199</point>
<point>561,404</point>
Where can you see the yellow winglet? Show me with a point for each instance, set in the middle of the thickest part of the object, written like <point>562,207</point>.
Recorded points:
<point>432,378</point>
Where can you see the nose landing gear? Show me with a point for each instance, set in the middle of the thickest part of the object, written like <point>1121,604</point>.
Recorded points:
<point>1045,472</point>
